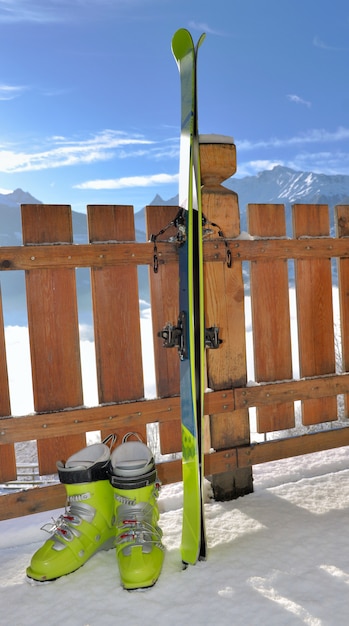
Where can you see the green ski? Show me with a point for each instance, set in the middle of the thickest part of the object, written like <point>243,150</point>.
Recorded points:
<point>191,302</point>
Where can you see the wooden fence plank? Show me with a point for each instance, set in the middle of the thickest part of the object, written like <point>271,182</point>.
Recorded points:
<point>53,329</point>
<point>271,316</point>
<point>342,227</point>
<point>314,311</point>
<point>165,308</point>
<point>116,312</point>
<point>8,470</point>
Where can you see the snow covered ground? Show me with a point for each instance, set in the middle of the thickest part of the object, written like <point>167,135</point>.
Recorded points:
<point>279,556</point>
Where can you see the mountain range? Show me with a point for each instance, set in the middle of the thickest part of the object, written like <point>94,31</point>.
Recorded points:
<point>279,185</point>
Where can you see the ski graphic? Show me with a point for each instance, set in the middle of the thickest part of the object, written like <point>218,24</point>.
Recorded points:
<point>191,302</point>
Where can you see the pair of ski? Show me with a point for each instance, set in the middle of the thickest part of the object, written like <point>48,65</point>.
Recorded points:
<point>191,302</point>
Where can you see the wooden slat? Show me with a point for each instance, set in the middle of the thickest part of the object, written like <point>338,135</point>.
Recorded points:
<point>342,224</point>
<point>165,308</point>
<point>8,469</point>
<point>314,311</point>
<point>53,330</point>
<point>271,316</point>
<point>116,312</point>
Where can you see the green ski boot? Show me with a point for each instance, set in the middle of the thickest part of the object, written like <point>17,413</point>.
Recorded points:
<point>87,525</point>
<point>139,550</point>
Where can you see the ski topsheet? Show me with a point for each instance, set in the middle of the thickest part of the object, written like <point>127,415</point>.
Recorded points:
<point>191,302</point>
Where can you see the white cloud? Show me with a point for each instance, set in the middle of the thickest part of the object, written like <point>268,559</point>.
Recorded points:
<point>250,168</point>
<point>316,135</point>
<point>129,181</point>
<point>9,92</point>
<point>319,43</point>
<point>298,100</point>
<point>202,27</point>
<point>48,11</point>
<point>12,11</point>
<point>62,151</point>
<point>322,162</point>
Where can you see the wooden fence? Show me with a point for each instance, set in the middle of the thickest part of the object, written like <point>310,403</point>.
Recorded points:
<point>60,421</point>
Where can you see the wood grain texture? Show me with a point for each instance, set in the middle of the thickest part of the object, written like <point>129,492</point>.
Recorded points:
<point>53,329</point>
<point>271,316</point>
<point>314,311</point>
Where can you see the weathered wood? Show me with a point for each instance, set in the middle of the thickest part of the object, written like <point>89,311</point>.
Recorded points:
<point>271,316</point>
<point>111,253</point>
<point>277,392</point>
<point>314,311</point>
<point>293,446</point>
<point>264,248</point>
<point>130,415</point>
<point>84,255</point>
<point>342,227</point>
<point>53,329</point>
<point>116,313</point>
<point>106,417</point>
<point>217,159</point>
<point>224,307</point>
<point>165,308</point>
<point>8,469</point>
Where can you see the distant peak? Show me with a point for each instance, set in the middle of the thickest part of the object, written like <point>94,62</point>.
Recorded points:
<point>18,196</point>
<point>158,200</point>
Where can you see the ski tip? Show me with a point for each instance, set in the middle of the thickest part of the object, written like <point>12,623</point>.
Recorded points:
<point>200,41</point>
<point>183,44</point>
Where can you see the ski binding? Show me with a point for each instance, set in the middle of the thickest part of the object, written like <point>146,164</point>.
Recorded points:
<point>176,336</point>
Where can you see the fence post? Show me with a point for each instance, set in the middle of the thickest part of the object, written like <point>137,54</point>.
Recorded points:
<point>224,307</point>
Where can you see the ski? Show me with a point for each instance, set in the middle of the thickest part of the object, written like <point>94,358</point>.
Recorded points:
<point>191,324</point>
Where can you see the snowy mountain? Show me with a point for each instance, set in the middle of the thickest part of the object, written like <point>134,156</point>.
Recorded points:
<point>285,186</point>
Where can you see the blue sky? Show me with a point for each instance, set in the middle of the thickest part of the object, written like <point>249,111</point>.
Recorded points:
<point>89,92</point>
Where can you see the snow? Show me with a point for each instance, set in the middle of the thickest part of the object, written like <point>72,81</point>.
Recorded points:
<point>277,556</point>
<point>212,138</point>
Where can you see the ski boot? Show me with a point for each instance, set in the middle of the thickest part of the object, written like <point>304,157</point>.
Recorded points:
<point>139,550</point>
<point>87,525</point>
